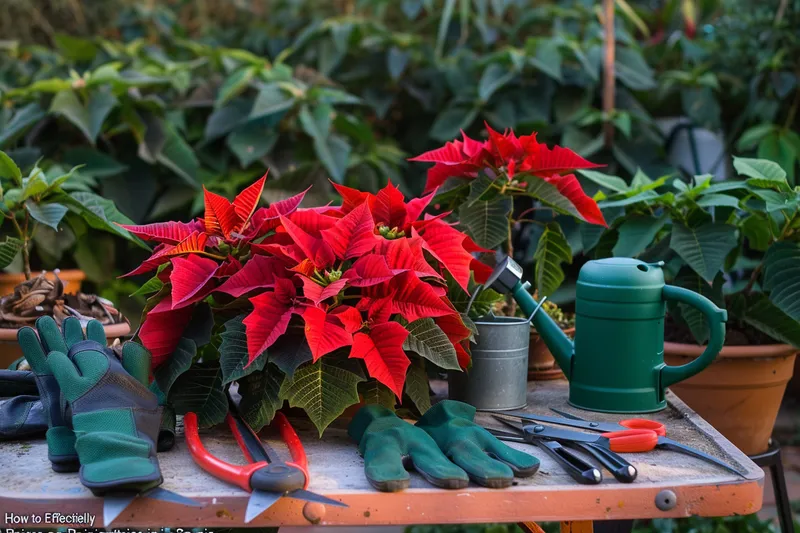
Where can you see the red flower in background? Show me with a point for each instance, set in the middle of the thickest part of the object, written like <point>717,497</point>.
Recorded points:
<point>506,155</point>
<point>350,274</point>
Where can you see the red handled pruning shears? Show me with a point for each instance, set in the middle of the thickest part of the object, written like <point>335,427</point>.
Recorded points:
<point>267,477</point>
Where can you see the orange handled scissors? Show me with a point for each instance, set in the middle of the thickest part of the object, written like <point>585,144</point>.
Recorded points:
<point>569,420</point>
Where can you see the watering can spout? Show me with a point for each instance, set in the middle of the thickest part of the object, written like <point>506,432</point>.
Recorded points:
<point>507,278</point>
<point>556,340</point>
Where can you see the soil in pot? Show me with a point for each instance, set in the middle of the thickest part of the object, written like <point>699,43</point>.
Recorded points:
<point>741,392</point>
<point>41,296</point>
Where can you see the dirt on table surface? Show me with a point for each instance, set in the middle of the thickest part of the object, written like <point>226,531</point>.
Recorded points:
<point>736,334</point>
<point>40,296</point>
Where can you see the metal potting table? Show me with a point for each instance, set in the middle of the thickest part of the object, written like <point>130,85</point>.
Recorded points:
<point>685,486</point>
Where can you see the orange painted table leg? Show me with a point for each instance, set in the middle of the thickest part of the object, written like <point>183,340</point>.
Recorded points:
<point>577,526</point>
<point>530,527</point>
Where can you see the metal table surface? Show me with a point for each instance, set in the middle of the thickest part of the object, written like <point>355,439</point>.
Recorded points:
<point>29,487</point>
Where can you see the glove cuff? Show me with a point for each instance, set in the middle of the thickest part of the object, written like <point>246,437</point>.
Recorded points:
<point>61,449</point>
<point>364,417</point>
<point>117,461</point>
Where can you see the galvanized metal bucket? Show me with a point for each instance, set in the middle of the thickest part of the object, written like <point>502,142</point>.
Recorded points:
<point>498,379</point>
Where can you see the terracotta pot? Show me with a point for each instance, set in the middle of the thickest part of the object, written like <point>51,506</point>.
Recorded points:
<point>10,350</point>
<point>541,363</point>
<point>71,278</point>
<point>740,393</point>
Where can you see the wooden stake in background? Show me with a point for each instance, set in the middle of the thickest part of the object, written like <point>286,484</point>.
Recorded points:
<point>608,70</point>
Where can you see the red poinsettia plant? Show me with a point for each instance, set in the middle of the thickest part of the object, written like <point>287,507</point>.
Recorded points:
<point>480,180</point>
<point>309,305</point>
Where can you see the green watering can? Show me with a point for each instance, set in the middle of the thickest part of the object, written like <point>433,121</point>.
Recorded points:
<point>616,362</point>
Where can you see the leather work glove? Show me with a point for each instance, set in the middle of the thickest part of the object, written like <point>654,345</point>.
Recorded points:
<point>60,437</point>
<point>390,445</point>
<point>114,415</point>
<point>487,461</point>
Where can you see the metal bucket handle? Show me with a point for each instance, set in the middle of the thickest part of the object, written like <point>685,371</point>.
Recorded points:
<point>480,288</point>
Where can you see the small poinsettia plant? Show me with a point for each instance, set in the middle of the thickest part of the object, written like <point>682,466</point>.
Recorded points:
<point>480,181</point>
<point>318,306</point>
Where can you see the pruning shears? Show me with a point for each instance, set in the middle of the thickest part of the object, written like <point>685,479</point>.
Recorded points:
<point>267,477</point>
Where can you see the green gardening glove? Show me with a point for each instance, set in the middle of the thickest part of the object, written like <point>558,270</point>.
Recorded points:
<point>390,445</point>
<point>60,437</point>
<point>485,459</point>
<point>114,415</point>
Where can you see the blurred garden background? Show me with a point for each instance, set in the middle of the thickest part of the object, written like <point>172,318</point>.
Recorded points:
<point>158,99</point>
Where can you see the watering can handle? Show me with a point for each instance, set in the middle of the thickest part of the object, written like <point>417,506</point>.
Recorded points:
<point>716,319</point>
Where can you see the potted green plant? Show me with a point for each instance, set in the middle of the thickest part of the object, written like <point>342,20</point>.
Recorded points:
<point>541,363</point>
<point>43,199</point>
<point>321,307</point>
<point>480,181</point>
<point>737,243</point>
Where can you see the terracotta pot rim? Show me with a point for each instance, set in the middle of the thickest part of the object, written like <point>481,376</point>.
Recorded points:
<point>757,351</point>
<point>69,274</point>
<point>112,331</point>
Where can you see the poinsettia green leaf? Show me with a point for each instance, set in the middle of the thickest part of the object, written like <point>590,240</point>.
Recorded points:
<point>481,305</point>
<point>9,250</point>
<point>552,251</point>
<point>199,390</point>
<point>636,234</point>
<point>323,390</point>
<point>417,387</point>
<point>24,118</point>
<point>49,214</point>
<point>761,173</point>
<point>150,286</point>
<point>486,222</point>
<point>179,362</point>
<point>782,277</point>
<point>9,169</point>
<point>289,352</point>
<point>704,248</point>
<point>199,328</point>
<point>755,229</point>
<point>260,393</point>
<point>233,355</point>
<point>758,311</point>
<point>374,392</point>
<point>428,340</point>
<point>88,118</point>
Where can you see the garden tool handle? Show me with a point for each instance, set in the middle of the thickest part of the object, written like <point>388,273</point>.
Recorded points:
<point>716,319</point>
<point>631,440</point>
<point>642,423</point>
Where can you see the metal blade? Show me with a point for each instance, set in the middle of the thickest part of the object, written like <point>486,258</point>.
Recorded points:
<point>504,433</point>
<point>259,502</point>
<point>669,444</point>
<point>308,496</point>
<point>566,414</point>
<point>168,496</point>
<point>114,503</point>
<point>568,421</point>
<point>503,421</point>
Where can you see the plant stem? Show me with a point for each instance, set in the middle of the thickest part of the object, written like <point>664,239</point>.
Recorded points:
<point>510,252</point>
<point>608,70</point>
<point>26,257</point>
<point>753,279</point>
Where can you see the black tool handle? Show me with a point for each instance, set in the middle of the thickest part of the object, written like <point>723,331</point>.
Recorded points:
<point>622,470</point>
<point>578,469</point>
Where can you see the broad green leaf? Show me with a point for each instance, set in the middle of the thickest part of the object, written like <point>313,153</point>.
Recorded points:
<point>486,222</point>
<point>693,317</point>
<point>782,277</point>
<point>428,340</point>
<point>374,392</point>
<point>548,194</point>
<point>289,352</point>
<point>613,183</point>
<point>261,396</point>
<point>34,185</point>
<point>494,77</point>
<point>636,234</point>
<point>95,163</point>
<point>756,230</point>
<point>753,135</point>
<point>444,26</point>
<point>23,119</point>
<point>9,169</point>
<point>704,248</point>
<point>481,304</point>
<point>225,119</point>
<point>762,173</point>
<point>777,201</point>
<point>200,326</point>
<point>718,200</point>
<point>199,390</point>
<point>451,121</point>
<point>323,390</point>
<point>479,189</point>
<point>9,250</point>
<point>234,85</point>
<point>632,70</point>
<point>250,142</point>
<point>233,354</point>
<point>547,58</point>
<point>766,317</point>
<point>776,147</point>
<point>179,362</point>
<point>396,61</point>
<point>88,118</point>
<point>417,386</point>
<point>178,156</point>
<point>49,214</point>
<point>552,251</point>
<point>591,235</point>
<point>645,196</point>
<point>333,154</point>
<point>98,213</point>
<point>724,186</point>
<point>271,99</point>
